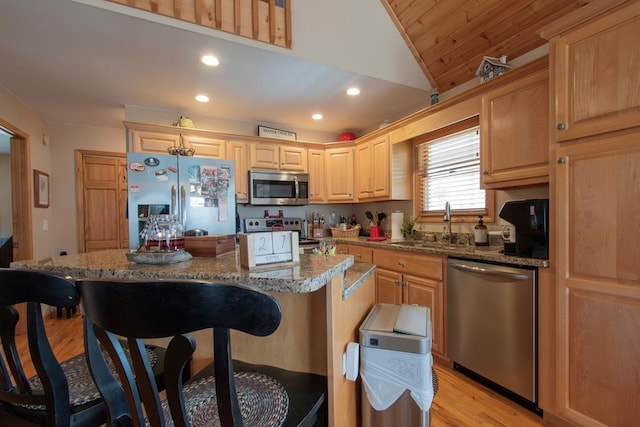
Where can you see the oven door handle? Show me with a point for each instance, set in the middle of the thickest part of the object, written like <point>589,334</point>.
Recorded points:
<point>489,271</point>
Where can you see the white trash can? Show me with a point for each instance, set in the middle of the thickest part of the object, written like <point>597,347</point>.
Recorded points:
<point>396,366</point>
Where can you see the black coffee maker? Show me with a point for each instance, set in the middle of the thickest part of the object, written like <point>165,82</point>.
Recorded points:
<point>531,221</point>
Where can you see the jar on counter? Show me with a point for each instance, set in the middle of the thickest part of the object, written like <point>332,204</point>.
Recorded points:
<point>165,233</point>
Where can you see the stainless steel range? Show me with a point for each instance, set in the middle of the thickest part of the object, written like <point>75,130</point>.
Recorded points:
<point>258,225</point>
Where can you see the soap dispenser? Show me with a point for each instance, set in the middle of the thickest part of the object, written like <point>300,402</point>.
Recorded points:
<point>480,233</point>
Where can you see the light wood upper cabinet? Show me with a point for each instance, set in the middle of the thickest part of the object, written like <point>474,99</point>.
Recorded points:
<point>238,151</point>
<point>372,166</point>
<point>142,141</point>
<point>278,157</point>
<point>514,142</point>
<point>206,147</point>
<point>317,192</point>
<point>596,69</point>
<point>339,174</point>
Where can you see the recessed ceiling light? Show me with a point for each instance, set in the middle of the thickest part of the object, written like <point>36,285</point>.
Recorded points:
<point>317,116</point>
<point>353,91</point>
<point>202,98</point>
<point>210,60</point>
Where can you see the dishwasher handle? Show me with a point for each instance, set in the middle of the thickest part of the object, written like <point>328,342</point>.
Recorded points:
<point>489,271</point>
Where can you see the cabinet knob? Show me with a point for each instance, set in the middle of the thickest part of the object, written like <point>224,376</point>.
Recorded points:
<point>560,160</point>
<point>359,255</point>
<point>485,172</point>
<point>561,126</point>
<point>401,263</point>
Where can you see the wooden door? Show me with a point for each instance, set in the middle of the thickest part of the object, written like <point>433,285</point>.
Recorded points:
<point>597,201</point>
<point>102,201</point>
<point>428,293</point>
<point>317,193</point>
<point>388,286</point>
<point>514,143</point>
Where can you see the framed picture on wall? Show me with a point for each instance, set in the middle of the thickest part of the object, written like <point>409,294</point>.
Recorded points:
<point>40,189</point>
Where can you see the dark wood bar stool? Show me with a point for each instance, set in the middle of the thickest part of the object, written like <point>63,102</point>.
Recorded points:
<point>232,392</point>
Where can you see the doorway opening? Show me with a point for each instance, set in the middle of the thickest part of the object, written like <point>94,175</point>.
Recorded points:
<point>21,191</point>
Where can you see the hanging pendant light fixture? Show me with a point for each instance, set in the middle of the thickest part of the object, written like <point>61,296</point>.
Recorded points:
<point>181,150</point>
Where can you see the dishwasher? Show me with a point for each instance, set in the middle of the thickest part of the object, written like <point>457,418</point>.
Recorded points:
<point>492,326</point>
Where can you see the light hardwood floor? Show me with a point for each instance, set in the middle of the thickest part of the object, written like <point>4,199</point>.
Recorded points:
<point>459,401</point>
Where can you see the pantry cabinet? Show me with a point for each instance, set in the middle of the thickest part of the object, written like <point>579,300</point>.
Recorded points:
<point>594,190</point>
<point>238,151</point>
<point>278,157</point>
<point>514,143</point>
<point>596,75</point>
<point>372,166</point>
<point>317,174</point>
<point>339,174</point>
<point>409,278</point>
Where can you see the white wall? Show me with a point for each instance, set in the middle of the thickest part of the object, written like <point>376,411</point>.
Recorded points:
<point>20,116</point>
<point>6,226</point>
<point>65,140</point>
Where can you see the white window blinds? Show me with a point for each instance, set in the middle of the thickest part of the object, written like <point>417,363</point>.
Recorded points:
<point>450,172</point>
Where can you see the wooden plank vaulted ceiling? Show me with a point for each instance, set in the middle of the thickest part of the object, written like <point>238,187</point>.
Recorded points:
<point>450,37</point>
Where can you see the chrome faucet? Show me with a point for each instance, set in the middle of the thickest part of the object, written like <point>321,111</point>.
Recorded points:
<point>446,235</point>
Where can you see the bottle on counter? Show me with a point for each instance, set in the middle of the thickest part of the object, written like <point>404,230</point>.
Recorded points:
<point>480,236</point>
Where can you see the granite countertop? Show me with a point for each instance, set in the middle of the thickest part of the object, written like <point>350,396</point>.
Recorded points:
<point>489,253</point>
<point>310,274</point>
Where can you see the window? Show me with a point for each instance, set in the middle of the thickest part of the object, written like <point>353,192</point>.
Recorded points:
<point>449,171</point>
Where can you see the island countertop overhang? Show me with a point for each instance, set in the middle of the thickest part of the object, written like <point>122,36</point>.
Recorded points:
<point>310,274</point>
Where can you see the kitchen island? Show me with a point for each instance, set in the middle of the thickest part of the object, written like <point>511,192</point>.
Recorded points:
<point>323,299</point>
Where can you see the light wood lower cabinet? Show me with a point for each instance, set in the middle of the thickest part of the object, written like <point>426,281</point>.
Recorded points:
<point>408,278</point>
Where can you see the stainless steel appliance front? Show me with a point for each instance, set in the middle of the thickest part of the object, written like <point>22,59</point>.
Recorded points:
<point>492,324</point>
<point>272,188</point>
<point>258,225</point>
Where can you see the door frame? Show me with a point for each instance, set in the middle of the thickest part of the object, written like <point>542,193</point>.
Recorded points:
<point>21,191</point>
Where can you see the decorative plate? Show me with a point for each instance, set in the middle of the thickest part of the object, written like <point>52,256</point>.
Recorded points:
<point>158,257</point>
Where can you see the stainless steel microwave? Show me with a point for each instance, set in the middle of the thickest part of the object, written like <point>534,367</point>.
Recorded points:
<point>272,188</point>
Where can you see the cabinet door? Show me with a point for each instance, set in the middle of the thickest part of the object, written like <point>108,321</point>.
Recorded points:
<point>597,200</point>
<point>596,69</point>
<point>238,151</point>
<point>339,162</point>
<point>265,156</point>
<point>123,199</point>
<point>427,293</point>
<point>388,287</point>
<point>361,253</point>
<point>152,142</point>
<point>293,158</point>
<point>206,147</point>
<point>317,192</point>
<point>364,172</point>
<point>514,143</point>
<point>380,165</point>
